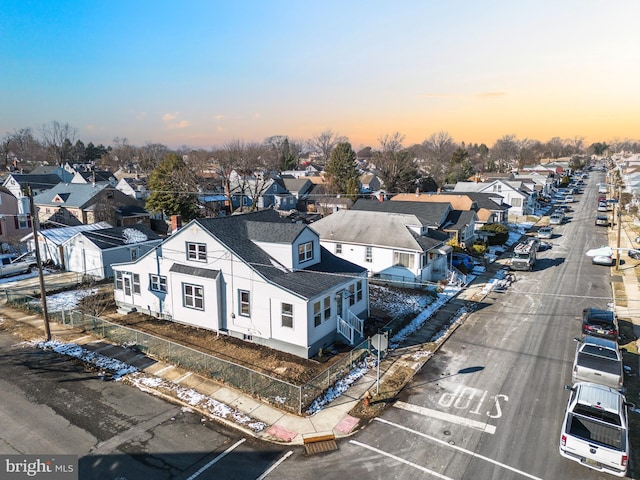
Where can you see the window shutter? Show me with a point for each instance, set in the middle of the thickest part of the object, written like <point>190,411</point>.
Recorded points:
<point>15,219</point>
<point>29,221</point>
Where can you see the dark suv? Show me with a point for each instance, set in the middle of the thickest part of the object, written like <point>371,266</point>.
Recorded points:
<point>599,323</point>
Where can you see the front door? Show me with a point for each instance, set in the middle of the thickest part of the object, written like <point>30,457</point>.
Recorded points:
<point>127,287</point>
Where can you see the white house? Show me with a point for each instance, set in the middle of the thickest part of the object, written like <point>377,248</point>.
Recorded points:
<point>399,247</point>
<point>520,197</point>
<point>92,252</point>
<point>51,241</point>
<point>254,276</point>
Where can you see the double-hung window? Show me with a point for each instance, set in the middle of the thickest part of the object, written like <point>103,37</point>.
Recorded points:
<point>317,314</point>
<point>118,280</point>
<point>368,254</point>
<point>287,315</point>
<point>244,301</point>
<point>158,283</point>
<point>136,283</point>
<point>305,251</point>
<point>197,251</point>
<point>193,296</point>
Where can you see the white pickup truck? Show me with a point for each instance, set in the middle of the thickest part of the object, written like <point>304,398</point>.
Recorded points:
<point>595,428</point>
<point>598,360</point>
<point>14,265</point>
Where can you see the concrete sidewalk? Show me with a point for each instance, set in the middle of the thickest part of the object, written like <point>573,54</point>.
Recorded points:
<point>281,427</point>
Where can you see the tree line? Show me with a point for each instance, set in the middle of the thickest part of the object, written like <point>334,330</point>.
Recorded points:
<point>175,175</point>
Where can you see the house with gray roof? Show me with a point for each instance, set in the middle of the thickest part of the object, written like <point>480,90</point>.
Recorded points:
<point>521,197</point>
<point>399,242</point>
<point>51,241</point>
<point>17,183</point>
<point>253,276</point>
<point>81,203</point>
<point>92,252</point>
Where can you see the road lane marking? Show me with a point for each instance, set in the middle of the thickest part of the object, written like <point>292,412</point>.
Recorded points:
<point>401,460</point>
<point>447,417</point>
<point>219,457</point>
<point>460,449</point>
<point>275,465</point>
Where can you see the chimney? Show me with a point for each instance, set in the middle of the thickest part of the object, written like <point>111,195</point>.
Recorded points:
<point>176,223</point>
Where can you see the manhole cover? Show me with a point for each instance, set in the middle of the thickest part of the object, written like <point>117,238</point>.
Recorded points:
<point>320,447</point>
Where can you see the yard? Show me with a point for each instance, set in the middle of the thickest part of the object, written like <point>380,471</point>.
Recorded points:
<point>385,302</point>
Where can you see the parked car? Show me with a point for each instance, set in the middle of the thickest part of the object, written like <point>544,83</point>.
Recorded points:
<point>602,207</point>
<point>598,360</point>
<point>635,254</point>
<point>460,259</point>
<point>602,221</point>
<point>14,265</point>
<point>545,232</point>
<point>606,260</point>
<point>599,323</point>
<point>595,429</point>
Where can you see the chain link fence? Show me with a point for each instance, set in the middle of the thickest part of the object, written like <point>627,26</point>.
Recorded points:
<point>284,395</point>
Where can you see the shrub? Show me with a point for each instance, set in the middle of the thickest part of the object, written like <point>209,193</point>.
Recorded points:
<point>500,233</point>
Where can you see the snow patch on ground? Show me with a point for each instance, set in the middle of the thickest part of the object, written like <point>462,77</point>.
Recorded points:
<point>195,399</point>
<point>66,300</point>
<point>113,366</point>
<point>342,385</point>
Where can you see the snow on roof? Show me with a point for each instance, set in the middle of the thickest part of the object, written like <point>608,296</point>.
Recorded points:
<point>131,235</point>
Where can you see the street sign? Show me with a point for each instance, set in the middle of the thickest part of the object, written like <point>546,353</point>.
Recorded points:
<point>380,342</point>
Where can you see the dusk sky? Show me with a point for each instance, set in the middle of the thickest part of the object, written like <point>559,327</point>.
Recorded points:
<point>202,73</point>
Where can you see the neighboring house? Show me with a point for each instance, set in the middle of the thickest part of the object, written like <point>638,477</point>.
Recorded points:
<point>516,195</point>
<point>134,187</point>
<point>489,207</point>
<point>131,215</point>
<point>370,182</point>
<point>17,184</point>
<point>400,244</point>
<point>267,193</point>
<point>254,276</point>
<point>298,187</point>
<point>328,204</point>
<point>81,203</point>
<point>13,224</point>
<point>92,252</point>
<point>94,176</point>
<point>65,175</point>
<point>51,240</point>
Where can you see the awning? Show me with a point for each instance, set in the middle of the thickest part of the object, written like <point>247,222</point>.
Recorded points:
<point>442,250</point>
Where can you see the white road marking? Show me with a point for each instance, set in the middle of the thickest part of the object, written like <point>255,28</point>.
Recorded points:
<point>401,460</point>
<point>219,457</point>
<point>275,465</point>
<point>460,449</point>
<point>447,417</point>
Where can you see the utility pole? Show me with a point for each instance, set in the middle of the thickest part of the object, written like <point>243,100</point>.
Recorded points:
<point>619,228</point>
<point>43,292</point>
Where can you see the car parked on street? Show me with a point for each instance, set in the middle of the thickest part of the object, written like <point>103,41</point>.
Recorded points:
<point>600,323</point>
<point>545,232</point>
<point>635,254</point>
<point>606,260</point>
<point>602,221</point>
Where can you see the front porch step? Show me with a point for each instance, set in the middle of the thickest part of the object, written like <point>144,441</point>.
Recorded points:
<point>126,310</point>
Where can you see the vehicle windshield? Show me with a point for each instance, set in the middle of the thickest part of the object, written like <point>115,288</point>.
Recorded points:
<point>600,352</point>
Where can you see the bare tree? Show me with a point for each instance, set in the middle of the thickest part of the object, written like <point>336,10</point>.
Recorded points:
<point>395,164</point>
<point>438,150</point>
<point>55,136</point>
<point>325,142</point>
<point>505,153</point>
<point>151,155</point>
<point>21,145</point>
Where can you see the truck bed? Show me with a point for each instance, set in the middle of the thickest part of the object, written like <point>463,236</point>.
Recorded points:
<point>597,369</point>
<point>592,431</point>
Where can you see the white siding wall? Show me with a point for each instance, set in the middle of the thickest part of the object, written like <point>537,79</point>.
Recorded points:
<point>84,257</point>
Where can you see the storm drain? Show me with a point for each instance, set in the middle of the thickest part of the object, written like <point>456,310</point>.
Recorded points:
<point>320,443</point>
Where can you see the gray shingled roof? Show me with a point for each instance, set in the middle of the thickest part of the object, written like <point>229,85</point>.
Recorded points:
<point>39,181</point>
<point>428,213</point>
<point>239,232</point>
<point>118,236</point>
<point>381,229</point>
<point>78,195</point>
